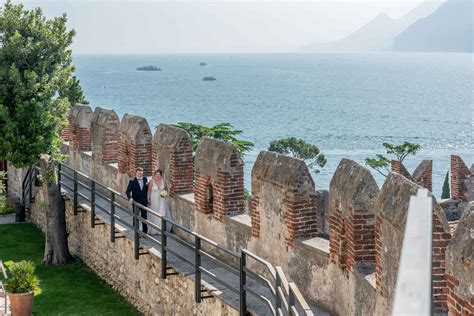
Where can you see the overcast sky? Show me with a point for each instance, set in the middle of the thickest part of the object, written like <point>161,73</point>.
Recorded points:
<point>192,26</point>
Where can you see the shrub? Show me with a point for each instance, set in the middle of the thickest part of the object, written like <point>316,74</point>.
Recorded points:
<point>23,278</point>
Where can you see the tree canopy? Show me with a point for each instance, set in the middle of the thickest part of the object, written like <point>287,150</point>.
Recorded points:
<point>299,148</point>
<point>36,83</point>
<point>381,163</point>
<point>222,131</point>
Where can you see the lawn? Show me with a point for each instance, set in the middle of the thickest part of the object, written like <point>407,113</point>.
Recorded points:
<point>71,289</point>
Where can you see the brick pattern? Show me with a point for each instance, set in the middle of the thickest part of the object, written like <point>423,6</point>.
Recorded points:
<point>300,214</point>
<point>222,195</point>
<point>426,179</point>
<point>67,131</point>
<point>459,173</point>
<point>131,156</point>
<point>441,240</point>
<point>110,142</point>
<point>456,305</point>
<point>181,167</point>
<point>352,239</point>
<point>399,167</point>
<point>80,139</point>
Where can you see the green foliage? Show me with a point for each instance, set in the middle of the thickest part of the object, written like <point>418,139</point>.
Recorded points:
<point>403,150</point>
<point>247,193</point>
<point>300,149</point>
<point>36,83</point>
<point>446,194</point>
<point>22,277</point>
<point>71,289</point>
<point>222,131</point>
<point>381,163</point>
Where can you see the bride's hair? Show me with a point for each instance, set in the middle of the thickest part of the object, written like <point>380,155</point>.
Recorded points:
<point>160,171</point>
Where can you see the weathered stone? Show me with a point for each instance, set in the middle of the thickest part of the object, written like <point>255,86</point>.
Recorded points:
<point>105,125</point>
<point>392,207</point>
<point>172,153</point>
<point>81,119</point>
<point>460,265</point>
<point>423,174</point>
<point>219,178</point>
<point>283,198</point>
<point>134,145</point>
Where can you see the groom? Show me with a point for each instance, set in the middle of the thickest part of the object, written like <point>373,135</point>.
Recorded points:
<point>137,191</point>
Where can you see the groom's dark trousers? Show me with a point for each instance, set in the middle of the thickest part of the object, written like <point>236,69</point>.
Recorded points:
<point>139,195</point>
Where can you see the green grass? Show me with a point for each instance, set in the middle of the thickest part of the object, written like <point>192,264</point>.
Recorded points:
<point>72,289</point>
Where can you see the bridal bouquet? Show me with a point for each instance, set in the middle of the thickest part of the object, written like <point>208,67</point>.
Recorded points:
<point>163,193</point>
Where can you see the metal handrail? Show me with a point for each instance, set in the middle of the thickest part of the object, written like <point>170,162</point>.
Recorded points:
<point>290,294</point>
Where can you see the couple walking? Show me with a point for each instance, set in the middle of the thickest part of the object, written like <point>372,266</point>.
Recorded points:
<point>152,194</point>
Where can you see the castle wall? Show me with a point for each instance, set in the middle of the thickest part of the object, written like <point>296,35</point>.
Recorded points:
<point>287,218</point>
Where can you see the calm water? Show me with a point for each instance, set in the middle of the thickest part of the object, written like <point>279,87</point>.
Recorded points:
<point>346,104</point>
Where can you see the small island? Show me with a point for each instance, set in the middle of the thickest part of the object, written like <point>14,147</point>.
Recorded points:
<point>208,79</point>
<point>202,64</point>
<point>149,68</point>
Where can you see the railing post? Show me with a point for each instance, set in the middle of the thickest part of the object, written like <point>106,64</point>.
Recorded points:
<point>136,226</point>
<point>164,262</point>
<point>277,292</point>
<point>93,204</point>
<point>112,216</point>
<point>243,282</point>
<point>75,193</point>
<point>291,300</point>
<point>59,178</point>
<point>197,272</point>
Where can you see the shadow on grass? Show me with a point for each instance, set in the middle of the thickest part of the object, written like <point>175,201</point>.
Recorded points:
<point>71,289</point>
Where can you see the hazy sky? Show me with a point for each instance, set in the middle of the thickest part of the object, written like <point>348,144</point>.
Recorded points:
<point>193,26</point>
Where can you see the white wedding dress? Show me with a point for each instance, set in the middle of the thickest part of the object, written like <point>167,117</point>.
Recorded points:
<point>160,206</point>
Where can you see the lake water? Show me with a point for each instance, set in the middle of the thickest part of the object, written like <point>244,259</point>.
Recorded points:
<point>347,104</point>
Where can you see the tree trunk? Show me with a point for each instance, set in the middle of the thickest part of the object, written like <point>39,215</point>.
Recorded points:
<point>56,250</point>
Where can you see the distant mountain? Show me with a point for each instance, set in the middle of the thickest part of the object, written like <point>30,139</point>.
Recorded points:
<point>377,35</point>
<point>448,29</point>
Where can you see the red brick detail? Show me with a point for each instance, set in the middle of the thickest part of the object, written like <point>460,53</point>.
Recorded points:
<point>131,156</point>
<point>456,305</point>
<point>221,195</point>
<point>67,131</point>
<point>399,167</point>
<point>80,138</point>
<point>110,143</point>
<point>426,179</point>
<point>441,239</point>
<point>351,239</point>
<point>300,216</point>
<point>181,167</point>
<point>459,173</point>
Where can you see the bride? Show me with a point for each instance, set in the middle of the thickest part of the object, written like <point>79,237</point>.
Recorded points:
<point>157,200</point>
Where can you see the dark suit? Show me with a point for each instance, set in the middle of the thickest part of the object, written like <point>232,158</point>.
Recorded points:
<point>139,195</point>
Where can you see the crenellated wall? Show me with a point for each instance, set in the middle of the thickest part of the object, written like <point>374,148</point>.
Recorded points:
<point>352,196</point>
<point>423,174</point>
<point>460,176</point>
<point>352,273</point>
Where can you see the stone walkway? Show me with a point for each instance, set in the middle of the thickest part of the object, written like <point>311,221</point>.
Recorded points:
<point>7,219</point>
<point>253,303</point>
<point>2,305</point>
